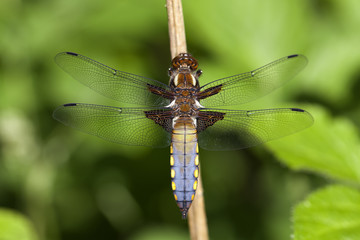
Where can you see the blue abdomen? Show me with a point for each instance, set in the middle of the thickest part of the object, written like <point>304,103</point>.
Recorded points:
<point>184,162</point>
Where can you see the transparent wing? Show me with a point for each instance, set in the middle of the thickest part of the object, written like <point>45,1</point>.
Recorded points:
<point>242,129</point>
<point>246,87</point>
<point>120,125</point>
<point>118,85</point>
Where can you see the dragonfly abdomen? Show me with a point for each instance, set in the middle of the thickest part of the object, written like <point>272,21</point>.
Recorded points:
<point>184,164</point>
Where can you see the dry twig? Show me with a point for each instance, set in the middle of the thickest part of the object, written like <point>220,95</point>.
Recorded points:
<point>176,27</point>
<point>197,216</point>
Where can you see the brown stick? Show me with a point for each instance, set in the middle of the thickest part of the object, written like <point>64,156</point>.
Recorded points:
<point>196,215</point>
<point>176,27</point>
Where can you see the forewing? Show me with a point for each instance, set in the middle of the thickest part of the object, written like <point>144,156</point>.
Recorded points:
<point>242,129</point>
<point>246,87</point>
<point>128,126</point>
<point>112,83</point>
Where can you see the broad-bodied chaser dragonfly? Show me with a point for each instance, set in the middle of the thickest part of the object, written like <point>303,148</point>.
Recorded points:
<point>179,114</point>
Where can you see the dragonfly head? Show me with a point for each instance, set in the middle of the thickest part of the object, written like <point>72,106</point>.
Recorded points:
<point>184,69</point>
<point>184,60</point>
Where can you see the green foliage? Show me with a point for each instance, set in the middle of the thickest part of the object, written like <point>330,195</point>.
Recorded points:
<point>331,213</point>
<point>15,226</point>
<point>331,148</point>
<point>74,186</point>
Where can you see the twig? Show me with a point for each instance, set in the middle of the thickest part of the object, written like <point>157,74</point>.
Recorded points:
<point>196,215</point>
<point>176,27</point>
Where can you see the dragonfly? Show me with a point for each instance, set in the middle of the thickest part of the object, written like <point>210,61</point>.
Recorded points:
<point>182,114</point>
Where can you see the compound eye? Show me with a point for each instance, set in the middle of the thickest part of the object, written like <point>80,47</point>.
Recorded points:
<point>176,62</point>
<point>194,65</point>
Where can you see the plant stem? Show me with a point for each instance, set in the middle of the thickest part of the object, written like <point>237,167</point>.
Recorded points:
<point>176,27</point>
<point>196,216</point>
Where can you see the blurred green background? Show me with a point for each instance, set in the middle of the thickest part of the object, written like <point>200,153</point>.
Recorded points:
<point>63,184</point>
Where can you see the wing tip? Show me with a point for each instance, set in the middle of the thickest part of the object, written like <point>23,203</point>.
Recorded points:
<point>69,104</point>
<point>72,53</point>
<point>293,56</point>
<point>297,110</point>
<point>67,53</point>
<point>305,113</point>
<point>59,56</point>
<point>56,115</point>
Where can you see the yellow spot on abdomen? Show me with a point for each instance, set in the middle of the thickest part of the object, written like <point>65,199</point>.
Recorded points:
<point>171,149</point>
<point>197,160</point>
<point>197,148</point>
<point>195,185</point>
<point>192,197</point>
<point>173,186</point>
<point>196,173</point>
<point>172,173</point>
<point>172,161</point>
<point>175,196</point>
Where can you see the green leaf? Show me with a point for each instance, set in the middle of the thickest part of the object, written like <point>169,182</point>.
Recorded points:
<point>330,147</point>
<point>15,226</point>
<point>332,213</point>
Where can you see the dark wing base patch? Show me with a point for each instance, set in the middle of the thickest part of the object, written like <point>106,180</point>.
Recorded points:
<point>161,117</point>
<point>207,119</point>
